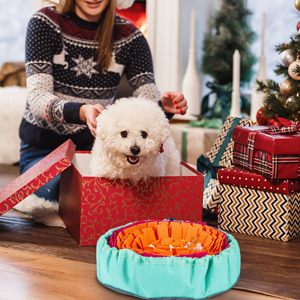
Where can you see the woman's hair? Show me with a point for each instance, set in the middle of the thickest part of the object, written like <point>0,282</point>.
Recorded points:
<point>104,35</point>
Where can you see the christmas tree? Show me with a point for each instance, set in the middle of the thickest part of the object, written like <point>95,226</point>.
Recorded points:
<point>230,30</point>
<point>283,100</point>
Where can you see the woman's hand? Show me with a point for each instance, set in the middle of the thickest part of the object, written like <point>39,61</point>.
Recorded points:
<point>88,114</point>
<point>174,102</point>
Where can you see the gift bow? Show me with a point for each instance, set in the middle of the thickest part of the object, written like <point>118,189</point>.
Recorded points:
<point>287,126</point>
<point>211,169</point>
<point>204,166</point>
<point>221,107</point>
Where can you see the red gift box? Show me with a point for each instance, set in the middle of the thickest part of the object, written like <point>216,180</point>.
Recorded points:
<point>240,177</point>
<point>275,156</point>
<point>90,206</point>
<point>35,177</point>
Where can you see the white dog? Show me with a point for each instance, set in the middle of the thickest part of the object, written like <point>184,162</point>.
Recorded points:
<point>133,142</point>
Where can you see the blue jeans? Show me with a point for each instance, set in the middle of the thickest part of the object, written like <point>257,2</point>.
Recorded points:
<point>29,156</point>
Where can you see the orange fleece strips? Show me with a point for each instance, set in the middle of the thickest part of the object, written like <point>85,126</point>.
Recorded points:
<point>171,238</point>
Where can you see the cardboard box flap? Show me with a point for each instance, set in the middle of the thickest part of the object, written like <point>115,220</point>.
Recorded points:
<point>30,181</point>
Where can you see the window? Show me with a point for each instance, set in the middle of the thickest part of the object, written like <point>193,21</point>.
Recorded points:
<point>14,17</point>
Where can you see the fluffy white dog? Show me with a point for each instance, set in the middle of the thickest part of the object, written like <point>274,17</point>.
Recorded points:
<point>133,142</point>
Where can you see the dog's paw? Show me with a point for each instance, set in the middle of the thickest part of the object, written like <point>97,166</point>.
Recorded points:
<point>41,210</point>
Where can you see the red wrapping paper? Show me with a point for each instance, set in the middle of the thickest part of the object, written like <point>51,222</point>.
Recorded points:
<point>278,144</point>
<point>90,206</point>
<point>275,156</point>
<point>46,169</point>
<point>240,177</point>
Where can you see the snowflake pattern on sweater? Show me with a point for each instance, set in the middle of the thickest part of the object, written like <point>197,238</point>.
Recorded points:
<point>62,74</point>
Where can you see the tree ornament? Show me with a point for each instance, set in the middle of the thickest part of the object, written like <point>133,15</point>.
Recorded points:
<point>286,88</point>
<point>292,69</point>
<point>261,118</point>
<point>297,4</point>
<point>274,122</point>
<point>288,56</point>
<point>282,100</point>
<point>292,104</point>
<point>298,26</point>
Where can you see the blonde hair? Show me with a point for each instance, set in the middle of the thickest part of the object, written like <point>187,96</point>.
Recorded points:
<point>104,34</point>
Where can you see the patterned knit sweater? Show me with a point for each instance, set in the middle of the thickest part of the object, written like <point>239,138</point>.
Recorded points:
<point>62,75</point>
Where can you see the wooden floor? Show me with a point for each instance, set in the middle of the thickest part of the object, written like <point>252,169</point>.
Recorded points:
<point>40,262</point>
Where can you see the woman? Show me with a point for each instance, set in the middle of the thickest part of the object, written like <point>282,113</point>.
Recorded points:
<point>76,54</point>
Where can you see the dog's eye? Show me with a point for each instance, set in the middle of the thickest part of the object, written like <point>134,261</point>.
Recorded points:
<point>144,134</point>
<point>124,134</point>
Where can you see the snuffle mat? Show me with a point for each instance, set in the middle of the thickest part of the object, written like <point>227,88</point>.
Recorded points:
<point>168,260</point>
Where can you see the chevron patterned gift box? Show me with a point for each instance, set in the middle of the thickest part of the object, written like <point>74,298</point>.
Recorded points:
<point>220,155</point>
<point>260,213</point>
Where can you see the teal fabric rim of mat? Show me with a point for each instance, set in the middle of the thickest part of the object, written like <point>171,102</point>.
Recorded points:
<point>165,278</point>
<point>164,298</point>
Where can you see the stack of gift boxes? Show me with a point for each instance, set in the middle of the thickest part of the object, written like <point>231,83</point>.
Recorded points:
<point>258,191</point>
<point>252,180</point>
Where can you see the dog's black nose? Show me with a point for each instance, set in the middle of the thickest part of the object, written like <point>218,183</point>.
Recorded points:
<point>135,150</point>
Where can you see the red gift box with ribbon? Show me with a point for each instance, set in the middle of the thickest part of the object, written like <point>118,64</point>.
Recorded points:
<point>240,177</point>
<point>272,151</point>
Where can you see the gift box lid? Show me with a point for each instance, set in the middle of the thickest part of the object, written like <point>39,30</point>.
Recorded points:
<point>244,178</point>
<point>271,143</point>
<point>30,181</point>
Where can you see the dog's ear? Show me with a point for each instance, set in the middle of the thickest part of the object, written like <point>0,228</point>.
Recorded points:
<point>101,130</point>
<point>164,131</point>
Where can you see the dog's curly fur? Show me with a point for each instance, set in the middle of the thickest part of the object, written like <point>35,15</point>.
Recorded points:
<point>129,136</point>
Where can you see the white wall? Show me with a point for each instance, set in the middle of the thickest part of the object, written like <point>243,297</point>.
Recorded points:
<point>169,37</point>
<point>204,11</point>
